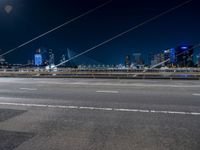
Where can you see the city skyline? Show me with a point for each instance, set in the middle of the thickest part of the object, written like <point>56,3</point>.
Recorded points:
<point>29,19</point>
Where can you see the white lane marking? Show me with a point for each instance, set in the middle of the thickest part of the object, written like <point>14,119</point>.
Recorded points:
<point>103,91</point>
<point>96,108</point>
<point>28,89</point>
<point>101,84</point>
<point>123,84</point>
<point>196,94</point>
<point>102,109</point>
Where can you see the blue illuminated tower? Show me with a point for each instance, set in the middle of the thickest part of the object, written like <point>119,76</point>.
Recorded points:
<point>38,58</point>
<point>170,54</point>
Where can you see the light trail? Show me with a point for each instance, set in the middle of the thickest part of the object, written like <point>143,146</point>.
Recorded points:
<point>125,32</point>
<point>56,28</point>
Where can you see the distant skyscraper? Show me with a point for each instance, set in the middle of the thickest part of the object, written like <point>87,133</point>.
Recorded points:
<point>169,54</point>
<point>184,56</point>
<point>51,57</point>
<point>38,58</point>
<point>150,58</point>
<point>137,59</point>
<point>127,61</point>
<point>158,58</point>
<point>44,55</point>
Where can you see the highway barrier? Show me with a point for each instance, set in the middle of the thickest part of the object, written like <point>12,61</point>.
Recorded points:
<point>178,73</point>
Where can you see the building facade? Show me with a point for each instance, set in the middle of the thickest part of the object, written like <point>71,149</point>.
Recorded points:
<point>184,56</point>
<point>127,61</point>
<point>137,59</point>
<point>170,57</point>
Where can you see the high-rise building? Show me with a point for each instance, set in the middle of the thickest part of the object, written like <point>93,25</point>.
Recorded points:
<point>169,54</point>
<point>51,57</point>
<point>127,61</point>
<point>44,53</point>
<point>184,56</point>
<point>38,58</point>
<point>137,59</point>
<point>158,58</point>
<point>150,58</point>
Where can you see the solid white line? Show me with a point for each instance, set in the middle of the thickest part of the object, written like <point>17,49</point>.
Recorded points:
<point>102,109</point>
<point>29,89</point>
<point>39,105</point>
<point>114,92</point>
<point>196,94</point>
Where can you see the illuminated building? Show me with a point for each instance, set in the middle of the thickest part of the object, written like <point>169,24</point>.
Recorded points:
<point>38,58</point>
<point>157,58</point>
<point>169,54</point>
<point>184,56</point>
<point>44,56</point>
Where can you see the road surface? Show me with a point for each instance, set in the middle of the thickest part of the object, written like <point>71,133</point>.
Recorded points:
<point>99,114</point>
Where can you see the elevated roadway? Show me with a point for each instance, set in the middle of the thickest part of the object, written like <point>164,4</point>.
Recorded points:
<point>108,114</point>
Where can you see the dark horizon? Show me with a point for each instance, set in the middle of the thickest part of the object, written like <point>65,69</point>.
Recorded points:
<point>28,19</point>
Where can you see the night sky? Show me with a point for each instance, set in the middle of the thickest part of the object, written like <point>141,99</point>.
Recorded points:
<point>30,18</point>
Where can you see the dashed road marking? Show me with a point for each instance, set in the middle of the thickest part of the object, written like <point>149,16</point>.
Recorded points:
<point>196,94</point>
<point>102,91</point>
<point>102,109</point>
<point>68,82</point>
<point>28,89</point>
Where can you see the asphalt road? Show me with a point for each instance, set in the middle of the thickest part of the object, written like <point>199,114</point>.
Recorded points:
<point>101,114</point>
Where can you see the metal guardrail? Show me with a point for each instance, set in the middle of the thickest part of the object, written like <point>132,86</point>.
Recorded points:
<point>189,73</point>
<point>195,70</point>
